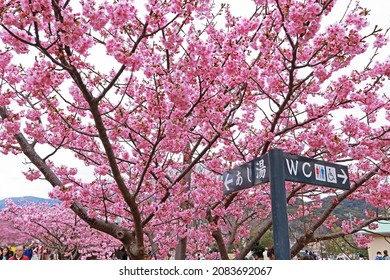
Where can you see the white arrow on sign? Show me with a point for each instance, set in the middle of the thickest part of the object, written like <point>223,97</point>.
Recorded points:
<point>343,176</point>
<point>227,182</point>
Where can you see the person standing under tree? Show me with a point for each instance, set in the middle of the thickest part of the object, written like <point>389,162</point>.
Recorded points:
<point>28,252</point>
<point>271,254</point>
<point>265,254</point>
<point>6,253</point>
<point>378,256</point>
<point>386,255</point>
<point>19,254</point>
<point>35,252</point>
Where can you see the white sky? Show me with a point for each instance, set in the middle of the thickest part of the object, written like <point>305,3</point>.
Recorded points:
<point>13,182</point>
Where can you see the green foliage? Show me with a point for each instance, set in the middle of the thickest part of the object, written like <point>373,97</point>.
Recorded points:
<point>265,242</point>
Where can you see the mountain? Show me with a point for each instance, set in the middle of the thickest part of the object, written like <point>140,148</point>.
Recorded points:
<point>346,210</point>
<point>28,199</point>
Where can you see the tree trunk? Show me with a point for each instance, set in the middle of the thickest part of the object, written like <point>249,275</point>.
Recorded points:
<point>181,249</point>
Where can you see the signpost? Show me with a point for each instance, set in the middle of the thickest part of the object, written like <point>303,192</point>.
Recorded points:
<point>245,176</point>
<point>315,172</point>
<point>277,167</point>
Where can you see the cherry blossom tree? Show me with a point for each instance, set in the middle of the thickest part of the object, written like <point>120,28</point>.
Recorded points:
<point>157,99</point>
<point>10,235</point>
<point>60,231</point>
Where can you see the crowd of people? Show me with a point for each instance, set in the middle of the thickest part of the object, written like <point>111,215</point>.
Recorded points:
<point>32,251</point>
<point>385,255</point>
<point>35,251</point>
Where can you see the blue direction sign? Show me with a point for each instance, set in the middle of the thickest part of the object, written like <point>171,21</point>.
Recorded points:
<point>315,172</point>
<point>245,176</point>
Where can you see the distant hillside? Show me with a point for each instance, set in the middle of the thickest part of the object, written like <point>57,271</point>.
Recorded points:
<point>344,211</point>
<point>28,199</point>
<point>347,208</point>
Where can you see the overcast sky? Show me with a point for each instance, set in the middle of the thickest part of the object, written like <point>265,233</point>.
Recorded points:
<point>13,182</point>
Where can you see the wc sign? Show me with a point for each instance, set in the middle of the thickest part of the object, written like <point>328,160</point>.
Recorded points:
<point>315,172</point>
